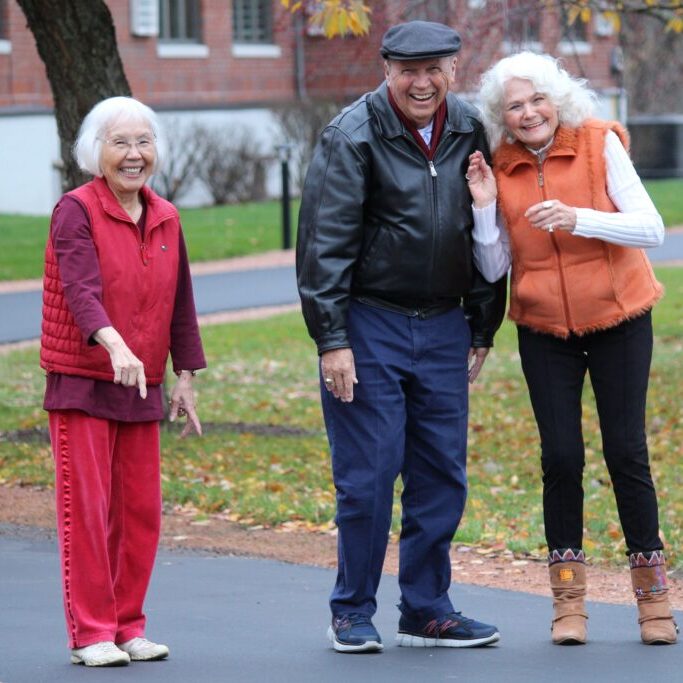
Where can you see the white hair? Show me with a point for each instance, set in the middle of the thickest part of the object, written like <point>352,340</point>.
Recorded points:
<point>575,102</point>
<point>88,146</point>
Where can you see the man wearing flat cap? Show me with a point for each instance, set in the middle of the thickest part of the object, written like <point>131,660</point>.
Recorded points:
<point>401,317</point>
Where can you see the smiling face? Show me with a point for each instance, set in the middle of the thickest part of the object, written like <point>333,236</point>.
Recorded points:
<point>419,86</point>
<point>127,157</point>
<point>528,115</point>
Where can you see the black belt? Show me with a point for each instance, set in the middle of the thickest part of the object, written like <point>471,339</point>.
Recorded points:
<point>415,309</point>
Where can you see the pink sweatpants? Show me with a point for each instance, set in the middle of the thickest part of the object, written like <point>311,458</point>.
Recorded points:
<point>108,494</point>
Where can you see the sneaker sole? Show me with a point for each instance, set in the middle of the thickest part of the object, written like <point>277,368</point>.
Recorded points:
<point>409,640</point>
<point>368,646</point>
<point>154,658</point>
<point>75,659</point>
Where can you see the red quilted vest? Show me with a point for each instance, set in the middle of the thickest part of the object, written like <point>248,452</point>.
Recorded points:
<point>562,283</point>
<point>139,281</point>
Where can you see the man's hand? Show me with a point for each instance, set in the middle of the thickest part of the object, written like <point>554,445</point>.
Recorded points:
<point>475,362</point>
<point>339,373</point>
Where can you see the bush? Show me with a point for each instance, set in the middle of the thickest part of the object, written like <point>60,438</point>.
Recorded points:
<point>233,167</point>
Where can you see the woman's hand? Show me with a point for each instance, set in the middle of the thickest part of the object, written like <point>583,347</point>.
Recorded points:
<point>182,404</point>
<point>552,215</point>
<point>481,181</point>
<point>128,368</point>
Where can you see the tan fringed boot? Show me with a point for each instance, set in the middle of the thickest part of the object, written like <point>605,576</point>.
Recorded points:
<point>648,577</point>
<point>568,583</point>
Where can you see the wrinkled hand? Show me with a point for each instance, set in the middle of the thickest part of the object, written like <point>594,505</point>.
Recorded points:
<point>552,215</point>
<point>481,181</point>
<point>128,368</point>
<point>339,373</point>
<point>183,404</point>
<point>475,362</point>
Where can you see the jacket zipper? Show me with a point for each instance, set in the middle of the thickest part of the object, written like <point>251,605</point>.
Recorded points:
<point>435,209</point>
<point>144,243</point>
<point>433,174</point>
<point>563,286</point>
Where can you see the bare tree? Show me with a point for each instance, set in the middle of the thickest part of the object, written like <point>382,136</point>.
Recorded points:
<point>233,165</point>
<point>653,63</point>
<point>299,125</point>
<point>185,150</point>
<point>76,40</point>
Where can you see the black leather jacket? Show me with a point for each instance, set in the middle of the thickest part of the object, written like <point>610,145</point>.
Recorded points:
<point>382,224</point>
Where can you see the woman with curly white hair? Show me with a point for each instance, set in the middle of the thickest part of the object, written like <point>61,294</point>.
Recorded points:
<point>569,214</point>
<point>117,297</point>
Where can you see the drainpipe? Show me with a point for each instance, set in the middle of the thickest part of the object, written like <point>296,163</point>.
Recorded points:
<point>299,57</point>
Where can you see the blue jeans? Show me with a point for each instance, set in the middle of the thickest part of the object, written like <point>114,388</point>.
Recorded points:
<point>408,417</point>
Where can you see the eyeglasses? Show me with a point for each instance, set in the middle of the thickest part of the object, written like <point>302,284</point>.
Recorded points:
<point>142,144</point>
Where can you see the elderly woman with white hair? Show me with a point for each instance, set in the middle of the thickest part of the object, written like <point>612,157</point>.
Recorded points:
<point>565,208</point>
<point>117,297</point>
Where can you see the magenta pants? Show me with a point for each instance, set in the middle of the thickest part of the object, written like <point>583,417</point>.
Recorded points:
<point>108,495</point>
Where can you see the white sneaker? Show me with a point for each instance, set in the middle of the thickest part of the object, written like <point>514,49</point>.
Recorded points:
<point>143,650</point>
<point>100,654</point>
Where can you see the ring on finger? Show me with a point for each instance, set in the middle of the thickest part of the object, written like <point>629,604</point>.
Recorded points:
<point>550,227</point>
<point>548,204</point>
<point>328,380</point>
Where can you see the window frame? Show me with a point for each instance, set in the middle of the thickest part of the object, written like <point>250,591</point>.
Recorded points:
<point>182,9</point>
<point>262,31</point>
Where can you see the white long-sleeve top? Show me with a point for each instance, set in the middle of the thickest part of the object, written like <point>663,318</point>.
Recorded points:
<point>636,224</point>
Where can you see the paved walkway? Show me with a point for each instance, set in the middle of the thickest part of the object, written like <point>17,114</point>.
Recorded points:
<point>231,285</point>
<point>230,619</point>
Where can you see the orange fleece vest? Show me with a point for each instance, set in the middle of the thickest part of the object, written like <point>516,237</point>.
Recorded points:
<point>139,280</point>
<point>562,283</point>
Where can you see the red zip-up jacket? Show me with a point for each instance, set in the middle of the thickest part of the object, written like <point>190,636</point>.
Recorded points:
<point>139,278</point>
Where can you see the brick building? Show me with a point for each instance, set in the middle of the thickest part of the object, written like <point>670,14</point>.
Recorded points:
<point>231,61</point>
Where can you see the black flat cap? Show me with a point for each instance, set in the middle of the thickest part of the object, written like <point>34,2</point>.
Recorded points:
<point>419,40</point>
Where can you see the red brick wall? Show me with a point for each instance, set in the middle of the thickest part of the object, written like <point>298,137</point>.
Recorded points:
<point>219,80</point>
<point>343,68</point>
<point>337,69</point>
<point>22,75</point>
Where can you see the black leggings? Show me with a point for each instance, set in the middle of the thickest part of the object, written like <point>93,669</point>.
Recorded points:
<point>618,362</point>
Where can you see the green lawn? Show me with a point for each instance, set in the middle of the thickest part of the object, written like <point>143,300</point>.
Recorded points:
<point>224,231</point>
<point>668,198</point>
<point>264,457</point>
<point>211,233</point>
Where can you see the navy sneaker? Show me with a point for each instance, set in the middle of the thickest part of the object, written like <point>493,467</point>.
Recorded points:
<point>450,630</point>
<point>354,632</point>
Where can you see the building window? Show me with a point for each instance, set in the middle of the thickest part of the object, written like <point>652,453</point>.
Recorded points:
<point>180,21</point>
<point>252,22</point>
<point>4,10</point>
<point>522,22</point>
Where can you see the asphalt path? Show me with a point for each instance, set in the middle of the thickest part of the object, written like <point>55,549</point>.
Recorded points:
<point>20,312</point>
<point>232,619</point>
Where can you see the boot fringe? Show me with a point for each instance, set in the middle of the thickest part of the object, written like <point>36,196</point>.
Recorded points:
<point>656,558</point>
<point>566,555</point>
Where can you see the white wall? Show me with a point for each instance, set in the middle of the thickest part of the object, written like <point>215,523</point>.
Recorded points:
<point>29,150</point>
